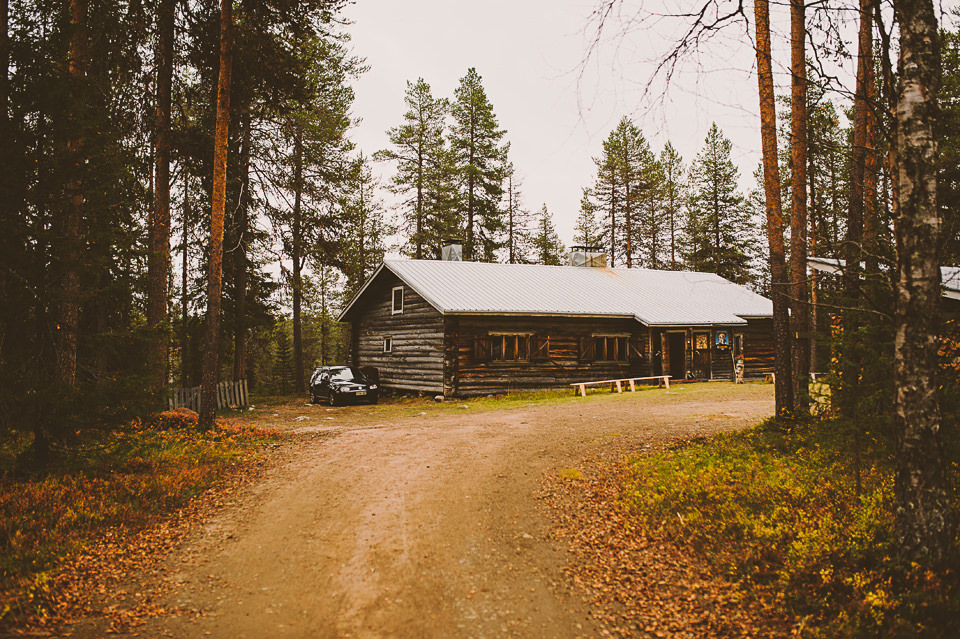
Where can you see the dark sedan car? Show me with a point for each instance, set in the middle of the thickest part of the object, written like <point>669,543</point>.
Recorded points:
<point>342,385</point>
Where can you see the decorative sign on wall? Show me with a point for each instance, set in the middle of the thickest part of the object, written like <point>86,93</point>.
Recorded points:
<point>723,339</point>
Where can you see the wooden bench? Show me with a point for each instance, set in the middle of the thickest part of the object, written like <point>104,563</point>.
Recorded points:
<point>617,384</point>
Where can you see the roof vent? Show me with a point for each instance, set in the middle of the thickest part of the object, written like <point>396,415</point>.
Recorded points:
<point>588,256</point>
<point>451,251</point>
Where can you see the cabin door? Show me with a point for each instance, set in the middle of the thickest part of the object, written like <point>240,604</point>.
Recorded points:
<point>677,355</point>
<point>701,355</point>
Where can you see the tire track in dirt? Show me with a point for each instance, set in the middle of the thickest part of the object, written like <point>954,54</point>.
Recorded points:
<point>428,526</point>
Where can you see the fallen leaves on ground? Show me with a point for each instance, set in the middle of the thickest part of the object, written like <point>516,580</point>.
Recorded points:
<point>120,577</point>
<point>639,585</point>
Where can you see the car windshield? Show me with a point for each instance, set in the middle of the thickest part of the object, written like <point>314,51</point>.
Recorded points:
<point>347,374</point>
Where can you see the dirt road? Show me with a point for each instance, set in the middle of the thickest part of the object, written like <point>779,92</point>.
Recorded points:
<point>426,525</point>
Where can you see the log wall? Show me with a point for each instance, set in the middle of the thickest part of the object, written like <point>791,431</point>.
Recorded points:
<point>559,366</point>
<point>416,361</point>
<point>757,347</point>
<point>436,354</point>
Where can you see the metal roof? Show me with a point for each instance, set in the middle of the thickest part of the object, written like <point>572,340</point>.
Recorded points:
<point>949,275</point>
<point>654,298</point>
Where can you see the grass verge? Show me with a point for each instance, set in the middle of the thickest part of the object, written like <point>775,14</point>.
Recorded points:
<point>126,480</point>
<point>779,513</point>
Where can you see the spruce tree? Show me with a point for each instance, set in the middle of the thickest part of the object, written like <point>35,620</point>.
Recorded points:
<point>720,237</point>
<point>586,231</point>
<point>547,245</point>
<point>479,157</point>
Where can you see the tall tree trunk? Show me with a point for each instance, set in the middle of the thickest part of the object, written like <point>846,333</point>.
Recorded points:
<point>613,218</point>
<point>628,221</point>
<point>871,161</point>
<point>798,220</point>
<point>68,309</point>
<point>510,205</point>
<point>771,187</point>
<point>418,254</point>
<point>924,521</point>
<point>7,210</point>
<point>469,249</point>
<point>158,263</point>
<point>184,289</point>
<point>4,64</point>
<point>673,231</point>
<point>297,255</point>
<point>813,244</point>
<point>211,350</point>
<point>888,82</point>
<point>240,261</point>
<point>852,251</point>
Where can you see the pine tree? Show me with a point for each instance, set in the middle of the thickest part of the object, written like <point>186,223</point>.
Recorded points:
<point>312,163</point>
<point>364,225</point>
<point>159,222</point>
<point>719,235</point>
<point>653,223</point>
<point>480,160</point>
<point>608,203</point>
<point>672,195</point>
<point>211,353</point>
<point>424,174</point>
<point>626,195</point>
<point>548,248</point>
<point>774,209</point>
<point>517,219</point>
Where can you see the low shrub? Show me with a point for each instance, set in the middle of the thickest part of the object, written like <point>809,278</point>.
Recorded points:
<point>780,513</point>
<point>121,479</point>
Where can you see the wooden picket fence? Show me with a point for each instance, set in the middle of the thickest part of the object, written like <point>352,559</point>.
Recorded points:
<point>228,394</point>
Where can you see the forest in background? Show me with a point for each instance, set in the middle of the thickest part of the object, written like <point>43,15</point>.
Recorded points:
<point>181,202</point>
<point>109,113</point>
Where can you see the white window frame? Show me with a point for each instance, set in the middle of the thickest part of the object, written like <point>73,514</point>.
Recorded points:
<point>387,344</point>
<point>393,300</point>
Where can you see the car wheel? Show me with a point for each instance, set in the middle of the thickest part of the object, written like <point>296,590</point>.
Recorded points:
<point>331,399</point>
<point>375,400</point>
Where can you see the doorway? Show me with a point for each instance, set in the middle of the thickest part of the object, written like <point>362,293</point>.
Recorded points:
<point>701,356</point>
<point>678,355</point>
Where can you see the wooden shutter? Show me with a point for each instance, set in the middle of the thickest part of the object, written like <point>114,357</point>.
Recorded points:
<point>540,345</point>
<point>588,349</point>
<point>635,346</point>
<point>482,349</point>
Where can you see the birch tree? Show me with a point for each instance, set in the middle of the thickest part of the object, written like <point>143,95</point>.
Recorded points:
<point>924,520</point>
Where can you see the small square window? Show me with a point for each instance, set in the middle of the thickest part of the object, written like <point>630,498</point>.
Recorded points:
<point>397,300</point>
<point>387,344</point>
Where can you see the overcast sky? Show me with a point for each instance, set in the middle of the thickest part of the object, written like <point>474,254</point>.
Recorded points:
<point>555,110</point>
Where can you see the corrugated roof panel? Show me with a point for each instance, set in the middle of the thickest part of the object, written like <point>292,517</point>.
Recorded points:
<point>653,297</point>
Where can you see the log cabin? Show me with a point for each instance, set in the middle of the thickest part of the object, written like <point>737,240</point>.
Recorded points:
<point>463,329</point>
